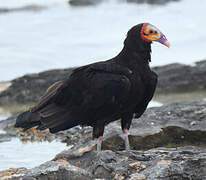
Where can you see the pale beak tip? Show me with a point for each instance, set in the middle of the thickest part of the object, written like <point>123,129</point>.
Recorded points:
<point>167,43</point>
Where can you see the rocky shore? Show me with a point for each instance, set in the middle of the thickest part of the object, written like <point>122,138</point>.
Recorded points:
<point>167,142</point>
<point>160,163</point>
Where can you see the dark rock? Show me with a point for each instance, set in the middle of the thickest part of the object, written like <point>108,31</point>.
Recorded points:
<point>169,125</point>
<point>158,2</point>
<point>177,149</point>
<point>30,87</point>
<point>32,8</point>
<point>162,163</point>
<point>53,170</point>
<point>4,137</point>
<point>4,175</point>
<point>9,130</point>
<point>181,78</point>
<point>172,78</point>
<point>84,2</point>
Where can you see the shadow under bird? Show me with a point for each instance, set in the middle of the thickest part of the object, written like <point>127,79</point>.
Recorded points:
<point>99,93</point>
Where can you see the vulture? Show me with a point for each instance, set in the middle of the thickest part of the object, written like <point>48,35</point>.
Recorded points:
<point>99,93</point>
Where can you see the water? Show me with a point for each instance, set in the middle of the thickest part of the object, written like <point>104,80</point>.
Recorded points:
<point>14,154</point>
<point>3,116</point>
<point>63,36</point>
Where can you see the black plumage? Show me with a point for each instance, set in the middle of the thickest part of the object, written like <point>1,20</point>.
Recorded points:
<point>99,93</point>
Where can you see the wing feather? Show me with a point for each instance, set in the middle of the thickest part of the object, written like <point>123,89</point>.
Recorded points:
<point>91,92</point>
<point>50,93</point>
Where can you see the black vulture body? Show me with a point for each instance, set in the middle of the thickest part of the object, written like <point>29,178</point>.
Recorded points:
<point>99,93</point>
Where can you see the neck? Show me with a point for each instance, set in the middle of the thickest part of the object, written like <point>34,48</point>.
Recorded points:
<point>134,55</point>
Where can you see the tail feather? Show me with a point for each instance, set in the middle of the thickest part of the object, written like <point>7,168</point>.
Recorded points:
<point>27,120</point>
<point>60,122</point>
<point>62,127</point>
<point>56,119</point>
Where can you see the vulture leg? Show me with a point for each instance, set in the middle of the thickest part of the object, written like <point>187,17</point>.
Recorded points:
<point>126,139</point>
<point>99,143</point>
<point>98,131</point>
<point>125,123</point>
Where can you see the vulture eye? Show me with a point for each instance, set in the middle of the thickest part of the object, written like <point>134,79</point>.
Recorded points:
<point>151,31</point>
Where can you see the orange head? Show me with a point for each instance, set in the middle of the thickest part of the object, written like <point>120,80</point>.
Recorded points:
<point>150,33</point>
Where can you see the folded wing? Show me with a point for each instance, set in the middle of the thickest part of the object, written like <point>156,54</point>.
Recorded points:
<point>94,92</point>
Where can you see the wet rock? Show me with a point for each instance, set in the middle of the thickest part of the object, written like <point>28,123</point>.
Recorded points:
<point>161,163</point>
<point>181,78</point>
<point>158,2</point>
<point>84,2</point>
<point>172,78</point>
<point>168,125</point>
<point>7,174</point>
<point>32,8</point>
<point>52,170</point>
<point>175,148</point>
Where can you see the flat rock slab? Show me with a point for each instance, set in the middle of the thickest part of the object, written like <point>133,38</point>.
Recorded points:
<point>161,163</point>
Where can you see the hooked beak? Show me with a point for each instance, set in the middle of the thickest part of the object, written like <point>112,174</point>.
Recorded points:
<point>163,40</point>
<point>166,43</point>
